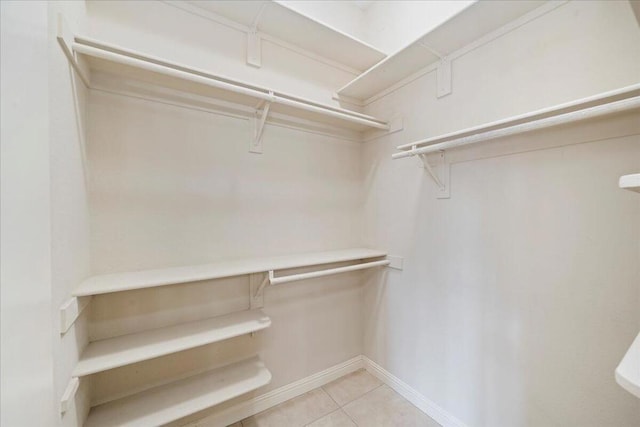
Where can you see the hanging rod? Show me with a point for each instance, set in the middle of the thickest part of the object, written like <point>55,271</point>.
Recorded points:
<point>155,65</point>
<point>294,277</point>
<point>627,98</point>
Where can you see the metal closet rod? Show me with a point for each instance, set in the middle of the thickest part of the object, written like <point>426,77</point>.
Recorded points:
<point>294,277</point>
<point>615,101</point>
<point>185,73</point>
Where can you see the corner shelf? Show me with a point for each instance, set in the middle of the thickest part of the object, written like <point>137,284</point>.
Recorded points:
<point>628,371</point>
<point>170,402</point>
<point>123,350</point>
<point>467,26</point>
<point>274,19</point>
<point>630,182</point>
<point>168,276</point>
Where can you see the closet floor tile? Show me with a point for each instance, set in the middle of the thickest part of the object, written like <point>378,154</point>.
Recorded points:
<point>297,412</point>
<point>335,419</point>
<point>350,387</point>
<point>383,407</point>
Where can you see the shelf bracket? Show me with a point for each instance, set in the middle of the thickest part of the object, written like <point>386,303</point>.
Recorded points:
<point>259,122</point>
<point>254,41</point>
<point>254,48</point>
<point>257,283</point>
<point>444,77</point>
<point>440,175</point>
<point>69,394</point>
<point>71,310</point>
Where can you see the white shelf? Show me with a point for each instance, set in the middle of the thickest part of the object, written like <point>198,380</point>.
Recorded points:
<point>473,22</point>
<point>115,352</point>
<point>167,403</point>
<point>288,25</point>
<point>115,68</point>
<point>630,182</point>
<point>628,371</point>
<point>168,276</point>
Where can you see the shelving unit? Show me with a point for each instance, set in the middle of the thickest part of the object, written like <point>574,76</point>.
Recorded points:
<point>168,276</point>
<point>177,399</point>
<point>128,68</point>
<point>469,25</point>
<point>615,101</point>
<point>115,352</point>
<point>630,182</point>
<point>167,403</point>
<point>275,21</point>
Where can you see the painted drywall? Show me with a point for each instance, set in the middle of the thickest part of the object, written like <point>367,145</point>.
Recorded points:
<point>344,16</point>
<point>521,293</point>
<point>392,25</point>
<point>26,359</point>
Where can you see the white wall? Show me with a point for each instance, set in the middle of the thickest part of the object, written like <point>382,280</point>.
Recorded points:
<point>26,347</point>
<point>392,25</point>
<point>521,293</point>
<point>344,16</point>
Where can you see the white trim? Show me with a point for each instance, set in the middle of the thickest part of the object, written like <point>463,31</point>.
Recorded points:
<point>427,406</point>
<point>275,397</point>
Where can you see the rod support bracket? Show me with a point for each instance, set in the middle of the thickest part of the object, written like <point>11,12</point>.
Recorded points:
<point>257,283</point>
<point>440,173</point>
<point>258,126</point>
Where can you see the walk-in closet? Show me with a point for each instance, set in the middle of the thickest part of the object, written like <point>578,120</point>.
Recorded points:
<point>271,213</point>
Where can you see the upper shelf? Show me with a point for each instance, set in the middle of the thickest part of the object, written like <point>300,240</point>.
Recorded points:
<point>473,22</point>
<point>630,182</point>
<point>628,371</point>
<point>277,20</point>
<point>168,276</point>
<point>131,68</point>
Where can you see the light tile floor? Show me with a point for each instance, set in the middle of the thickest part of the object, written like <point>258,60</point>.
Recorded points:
<point>355,400</point>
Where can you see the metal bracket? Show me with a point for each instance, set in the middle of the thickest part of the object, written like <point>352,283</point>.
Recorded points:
<point>444,74</point>
<point>441,174</point>
<point>259,122</point>
<point>257,284</point>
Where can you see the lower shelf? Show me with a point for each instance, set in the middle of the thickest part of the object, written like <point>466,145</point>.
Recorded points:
<point>170,402</point>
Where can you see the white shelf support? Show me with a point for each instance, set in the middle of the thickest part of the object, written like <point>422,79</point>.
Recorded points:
<point>440,175</point>
<point>254,48</point>
<point>69,394</point>
<point>444,77</point>
<point>71,310</point>
<point>256,144</point>
<point>257,283</point>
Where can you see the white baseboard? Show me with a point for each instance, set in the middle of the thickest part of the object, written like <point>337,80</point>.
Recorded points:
<point>282,394</point>
<point>272,398</point>
<point>444,418</point>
